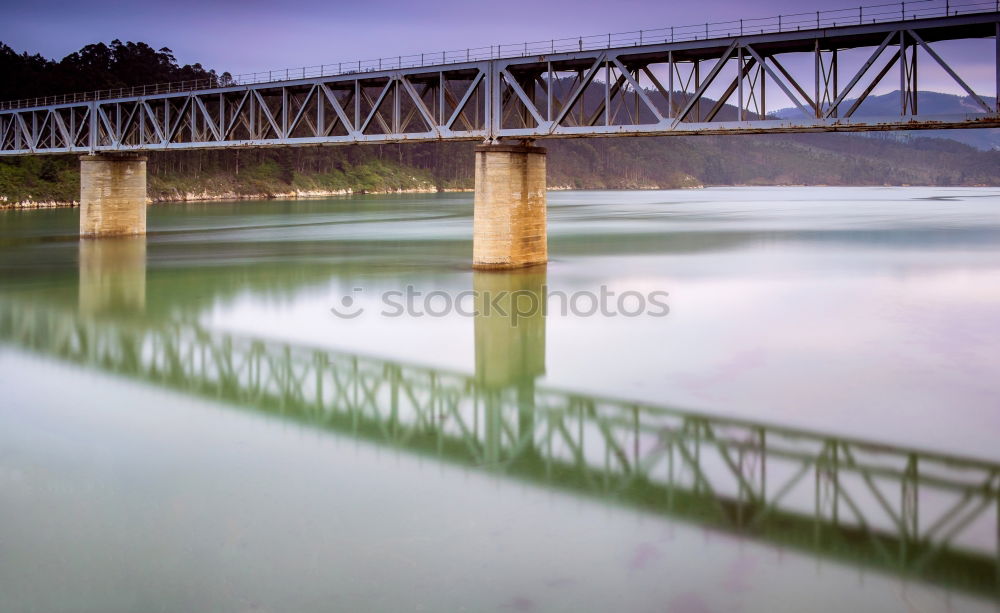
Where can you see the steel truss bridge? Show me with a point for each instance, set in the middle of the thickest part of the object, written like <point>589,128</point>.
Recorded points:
<point>930,516</point>
<point>657,84</point>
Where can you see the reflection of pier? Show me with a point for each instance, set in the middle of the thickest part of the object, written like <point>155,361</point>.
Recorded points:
<point>113,275</point>
<point>922,514</point>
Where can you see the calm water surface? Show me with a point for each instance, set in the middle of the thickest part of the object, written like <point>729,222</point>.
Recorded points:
<point>185,425</point>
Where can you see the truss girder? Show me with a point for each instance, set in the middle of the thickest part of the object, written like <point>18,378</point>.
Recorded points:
<point>603,92</point>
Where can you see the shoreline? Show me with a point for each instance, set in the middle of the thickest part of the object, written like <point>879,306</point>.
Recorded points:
<point>28,205</point>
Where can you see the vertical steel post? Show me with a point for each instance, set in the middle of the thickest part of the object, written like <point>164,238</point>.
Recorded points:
<point>142,123</point>
<point>284,113</point>
<point>763,79</point>
<point>637,76</point>
<point>739,82</point>
<point>320,116</point>
<point>902,73</point>
<point>817,66</point>
<point>193,116</point>
<point>251,113</point>
<point>697,86</point>
<point>836,86</point>
<point>670,83</point>
<point>548,93</point>
<point>357,104</point>
<point>396,110</point>
<point>607,93</point>
<point>222,116</point>
<point>441,86</point>
<point>493,110</point>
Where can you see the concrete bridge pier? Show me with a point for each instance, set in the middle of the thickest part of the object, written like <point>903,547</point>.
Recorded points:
<point>509,225</point>
<point>112,195</point>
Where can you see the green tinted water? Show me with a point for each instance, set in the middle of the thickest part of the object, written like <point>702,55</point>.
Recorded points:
<point>188,425</point>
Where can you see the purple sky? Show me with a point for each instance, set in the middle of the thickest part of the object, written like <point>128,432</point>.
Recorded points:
<point>248,35</point>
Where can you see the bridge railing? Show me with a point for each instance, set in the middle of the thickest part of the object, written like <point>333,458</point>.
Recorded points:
<point>875,13</point>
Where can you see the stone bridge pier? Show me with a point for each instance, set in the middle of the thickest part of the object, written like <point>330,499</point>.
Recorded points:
<point>112,195</point>
<point>509,226</point>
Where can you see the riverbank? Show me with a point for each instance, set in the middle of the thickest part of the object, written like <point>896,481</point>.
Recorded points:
<point>584,164</point>
<point>204,196</point>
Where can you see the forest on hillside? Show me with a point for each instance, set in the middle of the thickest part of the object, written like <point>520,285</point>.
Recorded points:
<point>608,163</point>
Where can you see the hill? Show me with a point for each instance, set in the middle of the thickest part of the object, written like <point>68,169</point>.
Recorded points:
<point>932,103</point>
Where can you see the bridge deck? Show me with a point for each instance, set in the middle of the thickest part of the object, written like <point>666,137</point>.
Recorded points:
<point>658,87</point>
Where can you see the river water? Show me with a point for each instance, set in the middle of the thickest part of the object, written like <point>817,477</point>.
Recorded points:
<point>734,399</point>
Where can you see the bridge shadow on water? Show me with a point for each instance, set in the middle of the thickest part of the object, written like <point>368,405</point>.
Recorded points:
<point>928,516</point>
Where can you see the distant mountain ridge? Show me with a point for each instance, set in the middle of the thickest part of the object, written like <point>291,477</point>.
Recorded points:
<point>932,103</point>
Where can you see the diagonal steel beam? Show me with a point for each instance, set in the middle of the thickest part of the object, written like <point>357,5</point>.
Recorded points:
<point>5,128</point>
<point>267,114</point>
<point>580,88</point>
<point>638,90</point>
<point>728,93</point>
<point>778,80</point>
<point>298,115</point>
<point>857,77</point>
<point>659,86</point>
<point>151,117</point>
<point>236,115</point>
<point>103,116</point>
<point>603,104</point>
<point>948,69</point>
<point>207,117</point>
<point>874,83</point>
<point>26,133</point>
<point>705,84</point>
<point>516,87</point>
<point>795,84</point>
<point>84,117</point>
<point>374,110</point>
<point>460,107</point>
<point>341,114</point>
<point>181,114</point>
<point>418,102</point>
<point>132,116</point>
<point>63,130</point>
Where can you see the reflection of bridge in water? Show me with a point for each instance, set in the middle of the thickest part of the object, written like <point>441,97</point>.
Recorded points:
<point>927,515</point>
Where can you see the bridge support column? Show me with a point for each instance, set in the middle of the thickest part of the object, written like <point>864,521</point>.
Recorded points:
<point>509,227</point>
<point>112,195</point>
